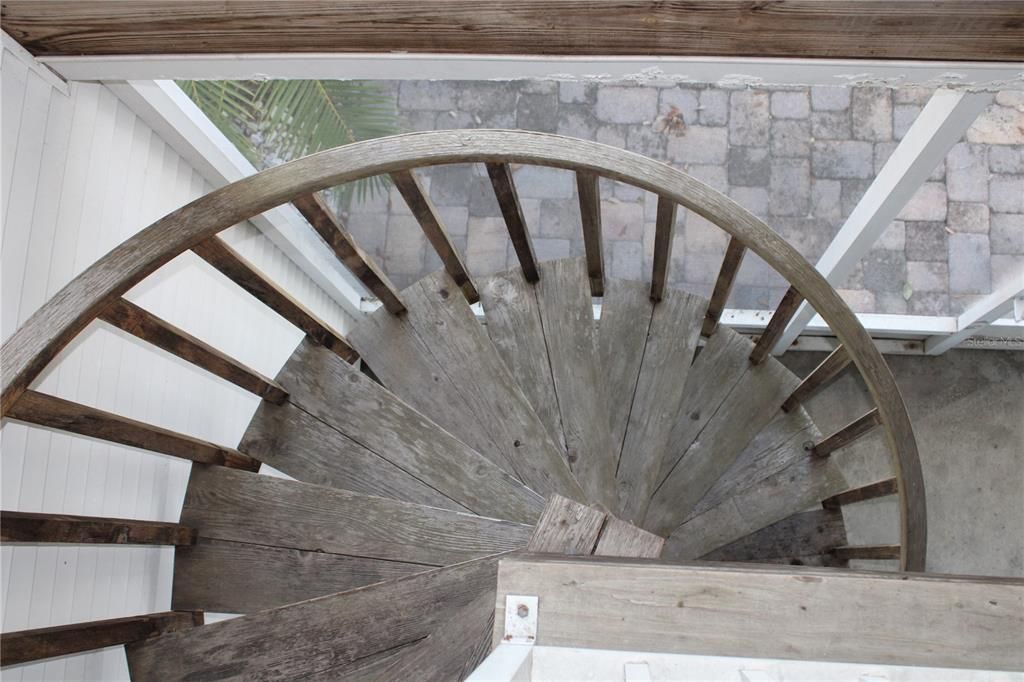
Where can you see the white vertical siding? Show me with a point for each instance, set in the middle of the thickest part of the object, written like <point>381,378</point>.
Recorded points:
<point>81,173</point>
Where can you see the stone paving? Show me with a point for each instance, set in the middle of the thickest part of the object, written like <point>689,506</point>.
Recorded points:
<point>798,158</point>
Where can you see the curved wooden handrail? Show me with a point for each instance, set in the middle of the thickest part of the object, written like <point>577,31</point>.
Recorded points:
<point>54,325</point>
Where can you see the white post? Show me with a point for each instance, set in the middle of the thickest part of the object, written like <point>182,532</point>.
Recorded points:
<point>979,316</point>
<point>937,128</point>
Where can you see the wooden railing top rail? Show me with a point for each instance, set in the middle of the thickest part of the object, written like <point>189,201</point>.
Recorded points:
<point>54,325</point>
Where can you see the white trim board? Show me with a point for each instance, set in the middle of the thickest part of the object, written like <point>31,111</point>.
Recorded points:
<point>428,66</point>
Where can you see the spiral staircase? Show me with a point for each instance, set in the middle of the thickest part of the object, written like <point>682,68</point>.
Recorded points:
<point>425,445</point>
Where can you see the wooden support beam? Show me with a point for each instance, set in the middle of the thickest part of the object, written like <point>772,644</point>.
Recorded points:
<point>56,413</point>
<point>330,228</point>
<point>723,285</point>
<point>142,324</point>
<point>830,367</point>
<point>567,527</point>
<point>34,645</point>
<point>972,30</point>
<point>768,612</point>
<point>32,527</point>
<point>508,202</point>
<point>879,552</point>
<point>231,264</point>
<point>870,491</point>
<point>425,213</point>
<point>783,314</point>
<point>847,434</point>
<point>589,189</point>
<point>664,228</point>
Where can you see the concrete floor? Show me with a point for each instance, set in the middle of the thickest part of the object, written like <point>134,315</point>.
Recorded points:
<point>967,409</point>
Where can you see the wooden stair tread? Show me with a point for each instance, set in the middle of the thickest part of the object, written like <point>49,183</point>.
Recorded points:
<point>804,539</point>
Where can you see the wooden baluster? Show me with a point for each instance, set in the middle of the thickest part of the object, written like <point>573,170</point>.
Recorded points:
<point>225,259</point>
<point>867,552</point>
<point>425,213</point>
<point>783,314</point>
<point>723,285</point>
<point>664,228</point>
<point>56,413</point>
<point>142,324</point>
<point>847,434</point>
<point>589,191</point>
<point>870,491</point>
<point>32,527</point>
<point>330,228</point>
<point>829,368</point>
<point>508,202</point>
<point>34,645</point>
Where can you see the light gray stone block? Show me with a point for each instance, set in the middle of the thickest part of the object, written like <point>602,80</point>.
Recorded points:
<point>965,217</point>
<point>1003,159</point>
<point>749,118</point>
<point>928,203</point>
<point>754,199</point>
<point>829,98</point>
<point>537,112</point>
<point>893,237</point>
<point>573,92</point>
<point>1006,193</point>
<point>486,98</point>
<point>426,95</point>
<point>903,116</point>
<point>790,104</point>
<point>624,104</point>
<point>998,125</point>
<point>825,200</point>
<point>845,159</point>
<point>969,266</point>
<point>487,246</point>
<point>551,249</point>
<point>1007,234</point>
<point>928,276</point>
<point>538,182</point>
<point>830,125</point>
<point>626,260</point>
<point>871,111</point>
<point>791,138</point>
<point>927,241</point>
<point>714,107</point>
<point>560,219</point>
<point>621,220</point>
<point>967,173</point>
<point>790,189</point>
<point>685,100</point>
<point>749,166</point>
<point>699,145</point>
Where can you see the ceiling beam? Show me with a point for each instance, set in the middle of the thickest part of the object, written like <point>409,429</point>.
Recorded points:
<point>976,30</point>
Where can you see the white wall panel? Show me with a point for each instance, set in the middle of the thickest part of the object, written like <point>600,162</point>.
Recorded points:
<point>82,173</point>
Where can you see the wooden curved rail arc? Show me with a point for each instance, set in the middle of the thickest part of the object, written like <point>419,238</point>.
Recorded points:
<point>54,325</point>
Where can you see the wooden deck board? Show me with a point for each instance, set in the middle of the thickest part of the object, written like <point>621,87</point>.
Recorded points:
<point>805,538</point>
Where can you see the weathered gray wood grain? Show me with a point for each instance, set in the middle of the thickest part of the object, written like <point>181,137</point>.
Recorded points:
<point>622,539</point>
<point>320,634</point>
<point>622,335</point>
<point>567,527</point>
<point>282,513</point>
<point>805,538</point>
<point>567,314</point>
<point>514,325</point>
<point>240,577</point>
<point>370,415</point>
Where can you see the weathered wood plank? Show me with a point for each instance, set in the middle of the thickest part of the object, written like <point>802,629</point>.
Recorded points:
<point>425,213</point>
<point>655,406</point>
<point>747,409</point>
<point>622,539</point>
<point>33,527</point>
<point>140,323</point>
<point>231,264</point>
<point>798,487</point>
<point>508,201</point>
<point>621,337</point>
<point>788,306</point>
<point>820,376</point>
<point>320,634</point>
<point>240,577</point>
<point>56,413</point>
<point>345,399</point>
<point>870,491</point>
<point>873,552</point>
<point>567,527</point>
<point>331,229</point>
<point>589,190</point>
<point>514,326</point>
<point>846,435</point>
<point>664,228</point>
<point>970,30</point>
<point>734,253</point>
<point>231,505</point>
<point>800,539</point>
<point>773,612</point>
<point>567,316</point>
<point>34,645</point>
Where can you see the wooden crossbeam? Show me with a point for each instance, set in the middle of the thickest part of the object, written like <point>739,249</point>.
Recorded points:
<point>788,306</point>
<point>142,324</point>
<point>820,376</point>
<point>34,645</point>
<point>53,412</point>
<point>233,266</point>
<point>874,552</point>
<point>61,528</point>
<point>508,201</point>
<point>331,229</point>
<point>664,228</point>
<point>734,253</point>
<point>589,190</point>
<point>847,434</point>
<point>423,210</point>
<point>870,491</point>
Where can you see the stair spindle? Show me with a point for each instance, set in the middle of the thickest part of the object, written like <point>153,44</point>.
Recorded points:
<point>783,314</point>
<point>847,434</point>
<point>426,215</point>
<point>589,190</point>
<point>508,201</point>
<point>723,285</point>
<point>865,492</point>
<point>664,228</point>
<point>830,367</point>
<point>61,528</point>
